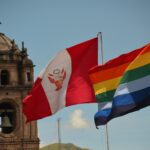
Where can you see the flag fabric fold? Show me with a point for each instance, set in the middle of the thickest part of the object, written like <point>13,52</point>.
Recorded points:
<point>122,85</point>
<point>64,82</point>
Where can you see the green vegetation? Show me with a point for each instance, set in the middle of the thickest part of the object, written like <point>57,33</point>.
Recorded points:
<point>63,147</point>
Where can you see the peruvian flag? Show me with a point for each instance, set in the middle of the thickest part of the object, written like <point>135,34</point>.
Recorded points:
<point>64,82</point>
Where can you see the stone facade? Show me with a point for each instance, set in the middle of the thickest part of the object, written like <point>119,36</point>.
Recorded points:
<point>16,79</point>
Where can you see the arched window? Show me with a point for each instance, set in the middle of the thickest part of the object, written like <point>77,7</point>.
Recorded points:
<point>4,77</point>
<point>28,76</point>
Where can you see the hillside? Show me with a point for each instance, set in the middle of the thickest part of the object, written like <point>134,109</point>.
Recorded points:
<point>63,147</point>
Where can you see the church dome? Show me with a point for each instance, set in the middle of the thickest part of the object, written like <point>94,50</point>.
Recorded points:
<point>5,43</point>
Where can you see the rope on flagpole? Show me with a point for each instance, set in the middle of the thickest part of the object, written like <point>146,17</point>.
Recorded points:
<point>100,49</point>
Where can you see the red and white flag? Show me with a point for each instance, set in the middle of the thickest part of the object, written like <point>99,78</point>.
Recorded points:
<point>64,82</point>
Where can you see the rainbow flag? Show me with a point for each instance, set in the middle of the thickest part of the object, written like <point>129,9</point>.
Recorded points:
<point>122,85</point>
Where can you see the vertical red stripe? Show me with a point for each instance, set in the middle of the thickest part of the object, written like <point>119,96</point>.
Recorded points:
<point>84,56</point>
<point>35,105</point>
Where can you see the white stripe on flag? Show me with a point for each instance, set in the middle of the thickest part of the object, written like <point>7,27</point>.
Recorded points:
<point>133,86</point>
<point>56,98</point>
<point>104,105</point>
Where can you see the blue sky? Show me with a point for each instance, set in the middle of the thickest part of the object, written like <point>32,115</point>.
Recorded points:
<point>48,26</point>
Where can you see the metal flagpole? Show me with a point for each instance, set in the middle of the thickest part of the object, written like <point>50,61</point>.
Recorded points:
<point>59,136</point>
<point>100,49</point>
<point>107,138</point>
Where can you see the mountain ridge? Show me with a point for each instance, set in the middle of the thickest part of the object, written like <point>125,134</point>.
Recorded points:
<point>64,146</point>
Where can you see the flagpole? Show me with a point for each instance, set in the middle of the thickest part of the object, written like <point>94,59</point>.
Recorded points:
<point>107,138</point>
<point>59,136</point>
<point>100,47</point>
<point>101,51</point>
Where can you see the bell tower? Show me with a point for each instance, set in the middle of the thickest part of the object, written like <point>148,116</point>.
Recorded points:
<point>16,79</point>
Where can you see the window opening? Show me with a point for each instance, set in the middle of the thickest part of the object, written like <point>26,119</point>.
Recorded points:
<point>28,76</point>
<point>4,77</point>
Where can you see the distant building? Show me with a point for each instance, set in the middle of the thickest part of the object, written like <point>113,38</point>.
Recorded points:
<point>16,79</point>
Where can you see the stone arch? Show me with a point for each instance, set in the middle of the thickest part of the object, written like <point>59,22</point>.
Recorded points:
<point>8,116</point>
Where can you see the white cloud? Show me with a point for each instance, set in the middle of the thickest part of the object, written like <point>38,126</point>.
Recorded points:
<point>77,120</point>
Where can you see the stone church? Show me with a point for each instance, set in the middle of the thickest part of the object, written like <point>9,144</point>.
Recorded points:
<point>16,79</point>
